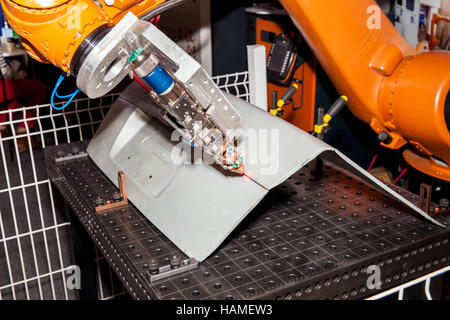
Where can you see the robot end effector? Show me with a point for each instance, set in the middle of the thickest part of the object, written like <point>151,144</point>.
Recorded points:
<point>190,101</point>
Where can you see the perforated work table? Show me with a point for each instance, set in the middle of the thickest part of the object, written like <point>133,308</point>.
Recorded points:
<point>308,239</point>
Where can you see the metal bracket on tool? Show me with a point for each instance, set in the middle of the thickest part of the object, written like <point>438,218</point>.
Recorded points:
<point>175,267</point>
<point>123,196</point>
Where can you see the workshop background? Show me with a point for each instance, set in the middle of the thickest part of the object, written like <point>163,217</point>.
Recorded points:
<point>41,241</point>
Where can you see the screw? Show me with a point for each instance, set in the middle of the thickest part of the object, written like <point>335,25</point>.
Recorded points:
<point>175,262</point>
<point>116,196</point>
<point>98,202</point>
<point>385,137</point>
<point>153,266</point>
<point>444,203</point>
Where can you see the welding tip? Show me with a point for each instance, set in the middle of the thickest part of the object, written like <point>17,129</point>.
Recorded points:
<point>233,154</point>
<point>238,166</point>
<point>239,170</point>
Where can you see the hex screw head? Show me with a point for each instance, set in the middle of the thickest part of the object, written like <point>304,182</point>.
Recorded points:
<point>153,266</point>
<point>385,137</point>
<point>116,196</point>
<point>444,203</point>
<point>98,202</point>
<point>175,262</point>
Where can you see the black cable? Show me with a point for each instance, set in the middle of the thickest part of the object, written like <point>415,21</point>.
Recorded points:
<point>160,9</point>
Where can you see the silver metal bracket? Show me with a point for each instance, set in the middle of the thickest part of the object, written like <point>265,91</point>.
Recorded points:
<point>71,157</point>
<point>168,271</point>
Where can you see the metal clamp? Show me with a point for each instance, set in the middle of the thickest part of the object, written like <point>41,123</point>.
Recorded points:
<point>175,267</point>
<point>123,196</point>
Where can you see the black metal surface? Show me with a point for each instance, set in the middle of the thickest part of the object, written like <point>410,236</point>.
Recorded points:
<point>307,239</point>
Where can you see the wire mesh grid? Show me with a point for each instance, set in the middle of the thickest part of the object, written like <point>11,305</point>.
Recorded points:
<point>36,252</point>
<point>236,84</point>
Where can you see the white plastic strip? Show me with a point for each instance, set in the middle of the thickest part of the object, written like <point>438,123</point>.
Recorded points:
<point>256,57</point>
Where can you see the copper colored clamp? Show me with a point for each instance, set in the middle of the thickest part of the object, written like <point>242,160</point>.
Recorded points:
<point>109,205</point>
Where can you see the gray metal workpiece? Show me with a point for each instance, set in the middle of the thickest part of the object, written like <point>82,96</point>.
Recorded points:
<point>196,205</point>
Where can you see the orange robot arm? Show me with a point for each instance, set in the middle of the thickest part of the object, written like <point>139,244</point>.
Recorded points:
<point>401,93</point>
<point>397,90</point>
<point>52,31</point>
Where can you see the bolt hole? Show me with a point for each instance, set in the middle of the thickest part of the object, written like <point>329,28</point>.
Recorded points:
<point>114,68</point>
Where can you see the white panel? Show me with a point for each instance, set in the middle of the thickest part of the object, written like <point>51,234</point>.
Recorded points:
<point>257,72</point>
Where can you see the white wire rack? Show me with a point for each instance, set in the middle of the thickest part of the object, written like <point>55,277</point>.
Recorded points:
<point>236,84</point>
<point>35,242</point>
<point>35,234</point>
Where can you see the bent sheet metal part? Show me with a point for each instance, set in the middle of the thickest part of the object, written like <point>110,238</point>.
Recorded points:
<point>195,205</point>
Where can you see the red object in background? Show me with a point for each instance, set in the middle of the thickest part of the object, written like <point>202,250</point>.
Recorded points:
<point>155,20</point>
<point>372,162</point>
<point>400,176</point>
<point>21,93</point>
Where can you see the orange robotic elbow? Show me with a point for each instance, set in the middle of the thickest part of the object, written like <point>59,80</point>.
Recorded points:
<point>59,31</point>
<point>401,92</point>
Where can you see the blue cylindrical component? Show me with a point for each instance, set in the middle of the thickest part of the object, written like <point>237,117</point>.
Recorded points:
<point>159,80</point>
<point>422,17</point>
